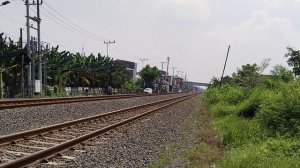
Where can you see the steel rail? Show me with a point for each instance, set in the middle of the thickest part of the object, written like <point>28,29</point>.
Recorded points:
<point>9,104</point>
<point>21,135</point>
<point>66,145</point>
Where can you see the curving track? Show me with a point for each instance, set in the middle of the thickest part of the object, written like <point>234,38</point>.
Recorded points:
<point>28,147</point>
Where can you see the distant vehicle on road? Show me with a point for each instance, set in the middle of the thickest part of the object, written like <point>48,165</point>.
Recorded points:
<point>148,90</point>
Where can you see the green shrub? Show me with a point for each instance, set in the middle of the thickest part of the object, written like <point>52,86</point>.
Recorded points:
<point>281,112</point>
<point>212,96</point>
<point>229,94</point>
<point>251,106</point>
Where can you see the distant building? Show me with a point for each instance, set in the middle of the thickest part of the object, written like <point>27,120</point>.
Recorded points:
<point>131,68</point>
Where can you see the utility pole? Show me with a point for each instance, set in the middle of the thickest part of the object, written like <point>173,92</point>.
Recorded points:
<point>225,65</point>
<point>28,48</point>
<point>142,60</point>
<point>40,70</point>
<point>31,67</point>
<point>161,79</point>
<point>107,44</point>
<point>173,70</point>
<point>168,62</point>
<point>22,64</point>
<point>162,66</point>
<point>109,76</point>
<point>167,75</point>
<point>82,51</point>
<point>45,71</point>
<point>172,79</point>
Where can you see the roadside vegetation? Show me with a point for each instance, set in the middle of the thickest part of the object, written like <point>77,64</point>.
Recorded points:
<point>65,69</point>
<point>258,116</point>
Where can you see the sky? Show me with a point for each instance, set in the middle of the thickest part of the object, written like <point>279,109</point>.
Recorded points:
<point>195,34</point>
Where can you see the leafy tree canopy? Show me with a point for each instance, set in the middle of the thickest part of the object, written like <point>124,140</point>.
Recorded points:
<point>293,60</point>
<point>283,73</point>
<point>247,75</point>
<point>148,74</point>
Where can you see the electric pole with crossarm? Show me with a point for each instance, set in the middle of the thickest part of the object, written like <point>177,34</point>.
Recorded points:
<point>107,44</point>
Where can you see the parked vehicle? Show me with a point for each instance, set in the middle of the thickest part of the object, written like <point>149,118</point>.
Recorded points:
<point>148,90</point>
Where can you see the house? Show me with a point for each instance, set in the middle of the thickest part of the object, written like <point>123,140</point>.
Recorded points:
<point>131,68</point>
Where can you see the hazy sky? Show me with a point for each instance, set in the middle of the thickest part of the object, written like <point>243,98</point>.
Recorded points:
<point>194,33</point>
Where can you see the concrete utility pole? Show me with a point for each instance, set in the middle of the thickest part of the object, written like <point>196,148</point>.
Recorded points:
<point>162,66</point>
<point>173,70</point>
<point>22,64</point>
<point>28,48</point>
<point>45,70</point>
<point>142,60</point>
<point>168,62</point>
<point>31,67</point>
<point>107,43</point>
<point>109,76</point>
<point>173,79</point>
<point>38,20</point>
<point>225,65</point>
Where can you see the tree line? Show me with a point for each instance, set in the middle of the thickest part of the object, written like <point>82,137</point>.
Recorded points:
<point>63,68</point>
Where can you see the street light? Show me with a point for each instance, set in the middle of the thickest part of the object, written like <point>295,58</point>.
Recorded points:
<point>4,3</point>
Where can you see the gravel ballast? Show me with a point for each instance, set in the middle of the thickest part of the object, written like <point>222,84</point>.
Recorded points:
<point>139,143</point>
<point>132,145</point>
<point>22,119</point>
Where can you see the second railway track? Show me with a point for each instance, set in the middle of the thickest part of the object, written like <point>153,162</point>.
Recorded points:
<point>10,104</point>
<point>21,149</point>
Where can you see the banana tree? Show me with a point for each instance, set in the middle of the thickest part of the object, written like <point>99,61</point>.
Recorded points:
<point>8,51</point>
<point>58,65</point>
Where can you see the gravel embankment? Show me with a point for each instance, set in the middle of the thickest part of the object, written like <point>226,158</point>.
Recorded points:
<point>21,119</point>
<point>137,144</point>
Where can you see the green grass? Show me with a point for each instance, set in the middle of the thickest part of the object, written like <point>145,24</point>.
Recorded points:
<point>272,153</point>
<point>262,130</point>
<point>237,131</point>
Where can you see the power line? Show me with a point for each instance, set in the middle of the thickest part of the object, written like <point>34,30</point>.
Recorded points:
<point>47,36</point>
<point>67,26</point>
<point>12,19</point>
<point>63,21</point>
<point>82,30</point>
<point>88,32</point>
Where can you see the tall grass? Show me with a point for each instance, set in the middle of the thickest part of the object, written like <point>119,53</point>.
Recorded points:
<point>259,127</point>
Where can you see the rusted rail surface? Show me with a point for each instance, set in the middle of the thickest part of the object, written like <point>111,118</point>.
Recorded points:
<point>9,104</point>
<point>16,139</point>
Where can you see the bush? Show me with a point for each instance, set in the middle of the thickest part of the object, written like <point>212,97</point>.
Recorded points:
<point>251,106</point>
<point>281,112</point>
<point>228,94</point>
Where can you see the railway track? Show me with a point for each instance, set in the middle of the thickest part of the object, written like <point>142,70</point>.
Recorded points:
<point>48,145</point>
<point>9,104</point>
